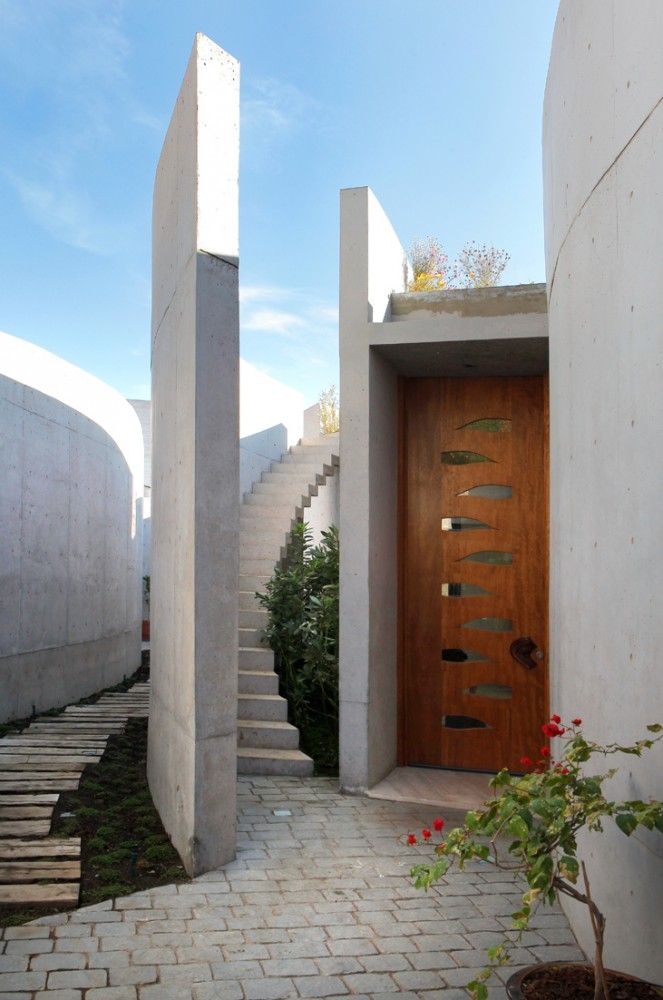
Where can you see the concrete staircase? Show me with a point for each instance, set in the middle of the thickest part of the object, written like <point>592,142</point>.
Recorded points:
<point>266,742</point>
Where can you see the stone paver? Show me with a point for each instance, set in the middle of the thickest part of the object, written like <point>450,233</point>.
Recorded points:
<point>317,904</point>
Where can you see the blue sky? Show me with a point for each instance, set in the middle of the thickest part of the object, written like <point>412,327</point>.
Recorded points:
<point>436,106</point>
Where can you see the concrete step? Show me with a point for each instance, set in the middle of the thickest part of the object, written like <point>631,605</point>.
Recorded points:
<point>277,505</point>
<point>285,489</point>
<point>260,549</point>
<point>253,619</point>
<point>255,760</point>
<point>268,735</point>
<point>286,470</point>
<point>258,682</point>
<point>255,659</point>
<point>265,707</point>
<point>251,638</point>
<point>314,450</point>
<point>248,601</point>
<point>257,567</point>
<point>293,475</point>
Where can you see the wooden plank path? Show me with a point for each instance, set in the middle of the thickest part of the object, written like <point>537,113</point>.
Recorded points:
<point>36,766</point>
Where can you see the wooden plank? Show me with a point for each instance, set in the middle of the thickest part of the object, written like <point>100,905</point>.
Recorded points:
<point>65,894</point>
<point>51,847</point>
<point>34,871</point>
<point>32,766</point>
<point>25,828</point>
<point>38,774</point>
<point>43,762</point>
<point>64,742</point>
<point>31,785</point>
<point>45,747</point>
<point>30,798</point>
<point>25,812</point>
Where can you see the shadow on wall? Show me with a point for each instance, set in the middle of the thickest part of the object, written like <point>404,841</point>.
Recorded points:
<point>71,549</point>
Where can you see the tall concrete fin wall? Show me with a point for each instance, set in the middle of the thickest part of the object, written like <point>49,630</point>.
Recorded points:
<point>603,164</point>
<point>371,267</point>
<point>195,464</point>
<point>71,483</point>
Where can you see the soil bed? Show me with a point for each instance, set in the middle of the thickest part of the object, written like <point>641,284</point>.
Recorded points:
<point>576,982</point>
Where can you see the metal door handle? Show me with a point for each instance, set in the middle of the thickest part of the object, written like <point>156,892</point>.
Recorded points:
<point>522,649</point>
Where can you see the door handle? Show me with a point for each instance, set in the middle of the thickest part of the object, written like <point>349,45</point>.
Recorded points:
<point>522,649</point>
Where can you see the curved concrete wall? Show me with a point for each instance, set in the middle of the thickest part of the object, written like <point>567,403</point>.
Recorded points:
<point>70,547</point>
<point>603,164</point>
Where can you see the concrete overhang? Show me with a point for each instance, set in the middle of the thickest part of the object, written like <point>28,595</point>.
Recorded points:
<point>501,331</point>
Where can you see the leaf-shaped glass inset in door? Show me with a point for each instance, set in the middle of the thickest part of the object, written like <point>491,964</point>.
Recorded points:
<point>489,491</point>
<point>489,557</point>
<point>490,624</point>
<point>500,691</point>
<point>463,458</point>
<point>463,590</point>
<point>462,524</point>
<point>463,722</point>
<point>457,655</point>
<point>494,425</point>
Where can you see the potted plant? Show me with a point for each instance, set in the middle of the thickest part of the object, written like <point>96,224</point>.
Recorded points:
<point>541,813</point>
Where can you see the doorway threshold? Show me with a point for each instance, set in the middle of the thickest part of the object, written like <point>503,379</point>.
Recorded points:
<point>451,790</point>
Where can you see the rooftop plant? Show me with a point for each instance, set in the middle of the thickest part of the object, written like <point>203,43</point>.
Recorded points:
<point>541,813</point>
<point>475,267</point>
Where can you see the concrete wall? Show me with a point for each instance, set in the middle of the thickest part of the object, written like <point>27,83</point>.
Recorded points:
<point>70,546</point>
<point>603,164</point>
<point>195,510</point>
<point>325,508</point>
<point>386,333</point>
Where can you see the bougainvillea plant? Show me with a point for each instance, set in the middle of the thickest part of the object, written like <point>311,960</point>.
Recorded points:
<point>541,813</point>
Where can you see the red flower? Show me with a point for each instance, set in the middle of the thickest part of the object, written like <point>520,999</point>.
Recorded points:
<point>562,730</point>
<point>551,729</point>
<point>555,718</point>
<point>438,824</point>
<point>577,722</point>
<point>564,770</point>
<point>411,839</point>
<point>426,834</point>
<point>545,752</point>
<point>525,761</point>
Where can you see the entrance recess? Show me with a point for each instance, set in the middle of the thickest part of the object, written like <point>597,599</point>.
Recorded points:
<point>474,567</point>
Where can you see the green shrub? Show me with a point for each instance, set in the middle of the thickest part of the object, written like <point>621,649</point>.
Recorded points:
<point>302,603</point>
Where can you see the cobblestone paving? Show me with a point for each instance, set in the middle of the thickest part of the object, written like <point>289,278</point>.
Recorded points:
<point>317,904</point>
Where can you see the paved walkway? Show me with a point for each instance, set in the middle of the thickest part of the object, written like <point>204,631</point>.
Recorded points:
<point>317,904</point>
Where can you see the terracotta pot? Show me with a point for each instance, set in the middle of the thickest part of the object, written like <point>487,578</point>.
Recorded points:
<point>513,985</point>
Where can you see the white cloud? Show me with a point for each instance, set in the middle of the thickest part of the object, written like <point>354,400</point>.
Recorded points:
<point>274,321</point>
<point>272,108</point>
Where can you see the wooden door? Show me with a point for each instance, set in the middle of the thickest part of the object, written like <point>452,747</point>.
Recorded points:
<point>473,623</point>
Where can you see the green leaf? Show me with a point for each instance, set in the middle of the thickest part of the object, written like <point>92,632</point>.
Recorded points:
<point>518,828</point>
<point>656,727</point>
<point>627,823</point>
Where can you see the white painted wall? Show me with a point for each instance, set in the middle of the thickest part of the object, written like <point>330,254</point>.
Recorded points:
<point>603,170</point>
<point>192,740</point>
<point>70,547</point>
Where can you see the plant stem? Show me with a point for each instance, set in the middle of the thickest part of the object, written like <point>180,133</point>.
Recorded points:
<point>598,926</point>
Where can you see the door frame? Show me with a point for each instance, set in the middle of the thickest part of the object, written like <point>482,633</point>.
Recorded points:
<point>401,553</point>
